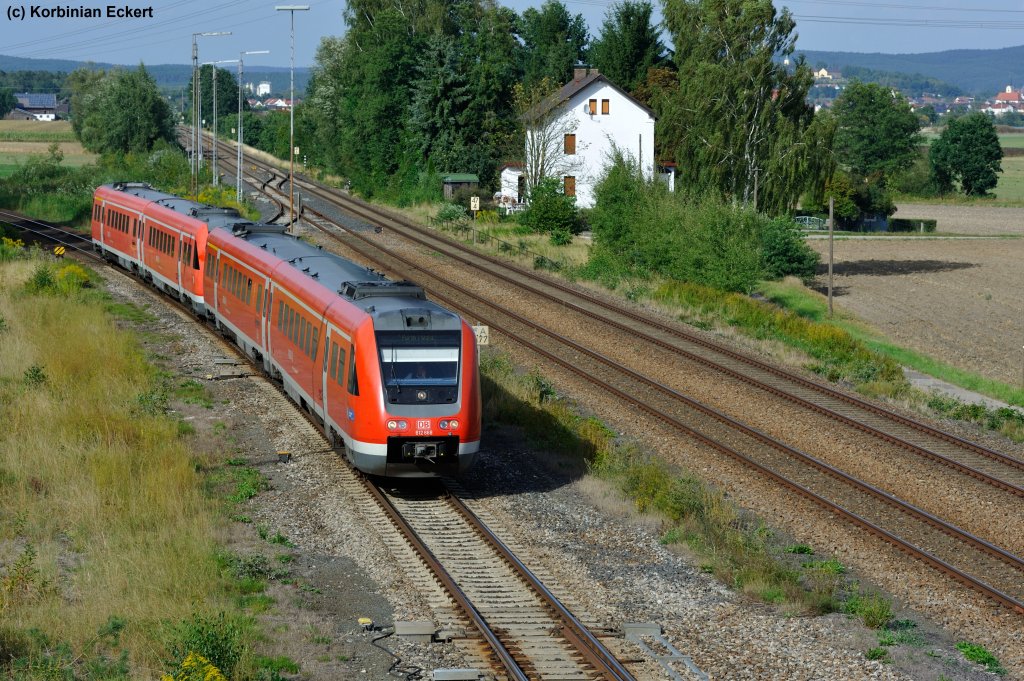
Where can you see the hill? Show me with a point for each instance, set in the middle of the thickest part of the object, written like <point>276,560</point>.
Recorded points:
<point>168,77</point>
<point>979,72</point>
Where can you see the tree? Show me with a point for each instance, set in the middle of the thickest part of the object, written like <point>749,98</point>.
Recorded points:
<point>7,102</point>
<point>227,93</point>
<point>968,152</point>
<point>437,110</point>
<point>877,133</point>
<point>123,113</point>
<point>629,44</point>
<point>545,131</point>
<point>738,123</point>
<point>554,42</point>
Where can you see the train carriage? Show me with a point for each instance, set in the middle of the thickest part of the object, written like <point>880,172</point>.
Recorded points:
<point>391,375</point>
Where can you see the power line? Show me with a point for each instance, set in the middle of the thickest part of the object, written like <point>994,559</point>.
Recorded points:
<point>890,5</point>
<point>914,23</point>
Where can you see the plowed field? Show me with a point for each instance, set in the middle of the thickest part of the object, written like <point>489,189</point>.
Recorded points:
<point>960,300</point>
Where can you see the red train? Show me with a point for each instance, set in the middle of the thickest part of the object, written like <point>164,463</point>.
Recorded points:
<point>390,375</point>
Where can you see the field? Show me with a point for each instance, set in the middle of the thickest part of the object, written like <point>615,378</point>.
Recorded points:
<point>955,299</point>
<point>21,140</point>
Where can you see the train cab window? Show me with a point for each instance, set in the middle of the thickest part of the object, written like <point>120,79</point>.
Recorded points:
<point>195,258</point>
<point>427,361</point>
<point>353,382</point>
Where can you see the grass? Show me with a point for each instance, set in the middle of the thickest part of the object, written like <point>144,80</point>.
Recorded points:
<point>36,131</point>
<point>106,497</point>
<point>1009,191</point>
<point>796,298</point>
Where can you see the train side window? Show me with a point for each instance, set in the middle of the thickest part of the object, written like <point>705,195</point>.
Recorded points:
<point>195,258</point>
<point>341,366</point>
<point>259,297</point>
<point>316,341</point>
<point>303,335</point>
<point>353,383</point>
<point>248,291</point>
<point>280,315</point>
<point>291,323</point>
<point>334,358</point>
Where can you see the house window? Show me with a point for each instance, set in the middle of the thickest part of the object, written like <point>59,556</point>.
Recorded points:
<point>569,184</point>
<point>604,107</point>
<point>570,144</point>
<point>592,104</point>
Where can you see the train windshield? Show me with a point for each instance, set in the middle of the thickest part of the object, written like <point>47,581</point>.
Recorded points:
<point>420,359</point>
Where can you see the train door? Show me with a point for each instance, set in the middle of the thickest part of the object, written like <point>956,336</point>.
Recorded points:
<point>179,249</point>
<point>138,230</point>
<point>265,312</point>
<point>323,373</point>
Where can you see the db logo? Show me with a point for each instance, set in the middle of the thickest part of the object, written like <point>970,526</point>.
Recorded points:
<point>423,425</point>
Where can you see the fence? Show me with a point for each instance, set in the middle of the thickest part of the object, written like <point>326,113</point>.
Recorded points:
<point>469,234</point>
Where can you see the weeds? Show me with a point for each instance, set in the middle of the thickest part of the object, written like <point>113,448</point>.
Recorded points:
<point>977,653</point>
<point>248,483</point>
<point>874,609</point>
<point>879,654</point>
<point>219,639</point>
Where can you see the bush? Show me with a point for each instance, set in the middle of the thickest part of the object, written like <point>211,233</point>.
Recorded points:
<point>784,251</point>
<point>551,210</point>
<point>450,212</point>
<point>561,237</point>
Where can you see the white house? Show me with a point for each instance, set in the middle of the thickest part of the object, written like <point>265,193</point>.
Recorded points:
<point>263,89</point>
<point>572,135</point>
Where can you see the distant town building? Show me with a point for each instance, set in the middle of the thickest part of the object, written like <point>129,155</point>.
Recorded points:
<point>263,89</point>
<point>1007,101</point>
<point>41,107</point>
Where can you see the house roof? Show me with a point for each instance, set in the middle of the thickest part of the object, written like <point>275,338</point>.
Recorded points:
<point>460,177</point>
<point>570,89</point>
<point>1008,97</point>
<point>32,100</point>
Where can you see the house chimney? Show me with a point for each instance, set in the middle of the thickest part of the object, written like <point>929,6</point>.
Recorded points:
<point>579,73</point>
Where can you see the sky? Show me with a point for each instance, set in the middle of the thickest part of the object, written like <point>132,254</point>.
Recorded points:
<point>166,37</point>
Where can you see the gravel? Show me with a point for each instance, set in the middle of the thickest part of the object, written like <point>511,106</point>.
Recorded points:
<point>606,562</point>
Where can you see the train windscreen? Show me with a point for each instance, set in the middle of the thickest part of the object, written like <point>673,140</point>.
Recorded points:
<point>427,362</point>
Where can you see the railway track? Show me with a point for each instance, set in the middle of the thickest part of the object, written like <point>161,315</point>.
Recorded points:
<point>991,467</point>
<point>528,632</point>
<point>966,558</point>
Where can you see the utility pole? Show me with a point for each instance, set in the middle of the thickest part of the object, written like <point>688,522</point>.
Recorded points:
<point>831,224</point>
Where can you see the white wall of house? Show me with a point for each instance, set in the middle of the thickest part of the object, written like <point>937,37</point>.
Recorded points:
<point>626,126</point>
<point>509,190</point>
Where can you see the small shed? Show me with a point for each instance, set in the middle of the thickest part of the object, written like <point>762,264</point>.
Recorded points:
<point>453,182</point>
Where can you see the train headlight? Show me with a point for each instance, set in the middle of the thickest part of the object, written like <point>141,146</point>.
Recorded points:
<point>421,395</point>
<point>402,425</point>
<point>453,424</point>
<point>392,425</point>
<point>443,425</point>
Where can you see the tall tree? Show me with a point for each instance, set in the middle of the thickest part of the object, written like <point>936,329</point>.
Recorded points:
<point>629,44</point>
<point>227,93</point>
<point>124,113</point>
<point>82,86</point>
<point>436,114</point>
<point>7,101</point>
<point>554,42</point>
<point>877,134</point>
<point>738,124</point>
<point>968,152</point>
